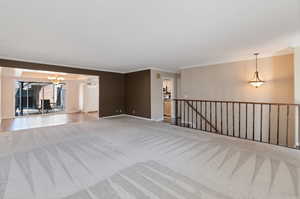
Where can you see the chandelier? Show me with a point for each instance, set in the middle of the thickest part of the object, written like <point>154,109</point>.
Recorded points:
<point>256,81</point>
<point>56,79</point>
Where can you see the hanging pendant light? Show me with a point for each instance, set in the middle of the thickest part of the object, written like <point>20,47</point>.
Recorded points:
<point>256,81</point>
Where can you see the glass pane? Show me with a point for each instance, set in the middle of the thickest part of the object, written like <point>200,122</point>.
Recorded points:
<point>17,99</point>
<point>38,98</point>
<point>34,98</point>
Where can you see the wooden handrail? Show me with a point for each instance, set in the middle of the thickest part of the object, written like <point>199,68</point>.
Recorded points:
<point>241,102</point>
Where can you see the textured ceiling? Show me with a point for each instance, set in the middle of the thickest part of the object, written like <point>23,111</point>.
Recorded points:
<point>118,35</point>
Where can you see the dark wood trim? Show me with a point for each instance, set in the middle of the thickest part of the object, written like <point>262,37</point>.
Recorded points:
<point>49,67</point>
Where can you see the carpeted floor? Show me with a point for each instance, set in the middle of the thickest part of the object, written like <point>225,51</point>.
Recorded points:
<point>122,158</point>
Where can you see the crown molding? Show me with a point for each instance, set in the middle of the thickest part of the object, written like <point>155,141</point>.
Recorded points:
<point>151,68</point>
<point>231,61</point>
<point>177,70</point>
<point>63,65</point>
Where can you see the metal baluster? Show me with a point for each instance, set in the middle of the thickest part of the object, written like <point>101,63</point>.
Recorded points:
<point>188,114</point>
<point>205,115</point>
<point>193,114</point>
<point>253,122</point>
<point>261,121</point>
<point>180,102</point>
<point>278,115</point>
<point>201,114</point>
<point>298,133</point>
<point>239,120</point>
<point>216,117</point>
<point>227,118</point>
<point>176,112</point>
<point>210,116</point>
<point>287,124</point>
<point>184,122</point>
<point>246,121</point>
<point>269,136</point>
<point>233,129</point>
<point>221,118</point>
<point>197,115</point>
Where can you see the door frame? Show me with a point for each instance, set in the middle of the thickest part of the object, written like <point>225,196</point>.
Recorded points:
<point>172,96</point>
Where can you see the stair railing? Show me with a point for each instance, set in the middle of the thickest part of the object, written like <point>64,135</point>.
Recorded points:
<point>272,123</point>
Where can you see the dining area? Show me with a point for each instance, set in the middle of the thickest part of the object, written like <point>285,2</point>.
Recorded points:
<point>34,98</point>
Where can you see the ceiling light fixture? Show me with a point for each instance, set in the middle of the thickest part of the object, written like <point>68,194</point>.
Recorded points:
<point>56,79</point>
<point>256,81</point>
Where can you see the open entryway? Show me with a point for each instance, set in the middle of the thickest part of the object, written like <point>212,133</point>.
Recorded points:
<point>35,98</point>
<point>168,94</point>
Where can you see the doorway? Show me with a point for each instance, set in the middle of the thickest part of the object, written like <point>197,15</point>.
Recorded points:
<point>168,94</point>
<point>34,98</point>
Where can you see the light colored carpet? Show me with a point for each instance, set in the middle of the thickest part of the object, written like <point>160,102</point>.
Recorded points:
<point>124,157</point>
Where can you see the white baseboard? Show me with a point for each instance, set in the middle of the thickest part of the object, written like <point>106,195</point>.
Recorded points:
<point>158,120</point>
<point>73,111</point>
<point>138,117</point>
<point>112,116</point>
<point>133,116</point>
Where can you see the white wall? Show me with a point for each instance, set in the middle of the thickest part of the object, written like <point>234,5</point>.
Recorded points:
<point>89,97</point>
<point>72,96</point>
<point>157,93</point>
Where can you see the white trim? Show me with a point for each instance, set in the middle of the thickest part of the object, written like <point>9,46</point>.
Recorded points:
<point>112,116</point>
<point>163,70</point>
<point>138,117</point>
<point>151,68</point>
<point>158,120</point>
<point>230,61</point>
<point>132,116</point>
<point>172,95</point>
<point>137,70</point>
<point>176,70</point>
<point>88,67</point>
